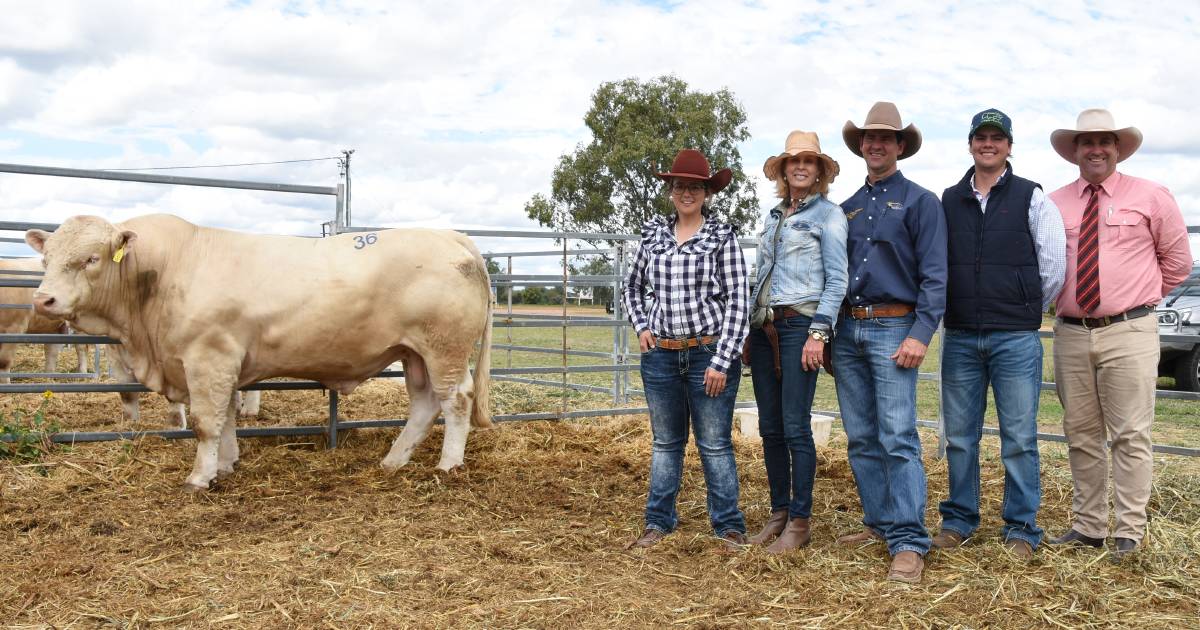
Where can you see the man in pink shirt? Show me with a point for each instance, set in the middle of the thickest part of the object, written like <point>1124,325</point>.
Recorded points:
<point>1127,247</point>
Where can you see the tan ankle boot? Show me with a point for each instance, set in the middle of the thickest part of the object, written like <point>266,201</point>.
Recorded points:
<point>794,536</point>
<point>771,528</point>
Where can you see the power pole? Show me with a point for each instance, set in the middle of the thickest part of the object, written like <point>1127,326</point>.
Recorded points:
<point>344,171</point>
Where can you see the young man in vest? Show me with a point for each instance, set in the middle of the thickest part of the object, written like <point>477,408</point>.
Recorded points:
<point>1127,247</point>
<point>896,294</point>
<point>1007,257</point>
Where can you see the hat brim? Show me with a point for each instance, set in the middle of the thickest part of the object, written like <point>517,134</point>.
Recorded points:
<point>852,136</point>
<point>715,183</point>
<point>1063,141</point>
<point>774,163</point>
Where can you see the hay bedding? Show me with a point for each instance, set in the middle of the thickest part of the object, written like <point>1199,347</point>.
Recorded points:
<point>529,535</point>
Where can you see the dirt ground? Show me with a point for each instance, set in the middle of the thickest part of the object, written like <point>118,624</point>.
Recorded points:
<point>529,535</point>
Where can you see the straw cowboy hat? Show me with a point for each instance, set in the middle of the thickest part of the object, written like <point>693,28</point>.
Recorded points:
<point>883,115</point>
<point>801,142</point>
<point>691,164</point>
<point>1090,120</point>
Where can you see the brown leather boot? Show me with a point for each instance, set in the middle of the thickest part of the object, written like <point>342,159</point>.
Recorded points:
<point>794,536</point>
<point>772,528</point>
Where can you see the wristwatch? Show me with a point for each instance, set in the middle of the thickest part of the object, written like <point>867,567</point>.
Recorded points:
<point>819,335</point>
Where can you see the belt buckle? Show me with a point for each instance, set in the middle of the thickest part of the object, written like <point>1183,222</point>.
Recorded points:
<point>870,311</point>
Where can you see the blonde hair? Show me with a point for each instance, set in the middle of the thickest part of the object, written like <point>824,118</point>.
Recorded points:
<point>820,186</point>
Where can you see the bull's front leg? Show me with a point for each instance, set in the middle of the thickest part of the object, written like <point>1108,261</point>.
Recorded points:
<point>210,393</point>
<point>52,350</point>
<point>82,353</point>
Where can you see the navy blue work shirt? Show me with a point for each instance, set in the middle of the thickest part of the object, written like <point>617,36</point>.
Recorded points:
<point>897,246</point>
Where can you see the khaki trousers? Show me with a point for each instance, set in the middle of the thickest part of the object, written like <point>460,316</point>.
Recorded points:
<point>1106,379</point>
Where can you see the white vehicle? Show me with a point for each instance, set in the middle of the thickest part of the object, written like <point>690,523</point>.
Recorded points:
<point>1179,314</point>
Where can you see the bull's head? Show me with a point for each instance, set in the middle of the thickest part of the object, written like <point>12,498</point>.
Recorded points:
<point>80,257</point>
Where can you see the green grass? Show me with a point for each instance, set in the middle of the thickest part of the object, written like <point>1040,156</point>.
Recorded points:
<point>1177,422</point>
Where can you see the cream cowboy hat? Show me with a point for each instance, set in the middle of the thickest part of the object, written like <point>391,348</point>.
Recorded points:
<point>1091,120</point>
<point>801,142</point>
<point>883,115</point>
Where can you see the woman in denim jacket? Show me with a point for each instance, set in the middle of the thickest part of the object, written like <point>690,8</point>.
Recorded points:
<point>802,263</point>
<point>690,331</point>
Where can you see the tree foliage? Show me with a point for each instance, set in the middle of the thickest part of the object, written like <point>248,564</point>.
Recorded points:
<point>608,184</point>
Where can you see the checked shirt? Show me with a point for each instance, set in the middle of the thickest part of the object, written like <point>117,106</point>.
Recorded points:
<point>696,288</point>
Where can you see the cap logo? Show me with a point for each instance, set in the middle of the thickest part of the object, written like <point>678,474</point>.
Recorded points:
<point>992,117</point>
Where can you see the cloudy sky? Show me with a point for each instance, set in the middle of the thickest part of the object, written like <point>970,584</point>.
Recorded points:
<point>458,111</point>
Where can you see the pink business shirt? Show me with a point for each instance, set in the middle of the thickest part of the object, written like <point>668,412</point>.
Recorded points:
<point>1144,251</point>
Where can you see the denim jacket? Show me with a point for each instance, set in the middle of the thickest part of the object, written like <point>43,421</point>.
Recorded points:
<point>812,258</point>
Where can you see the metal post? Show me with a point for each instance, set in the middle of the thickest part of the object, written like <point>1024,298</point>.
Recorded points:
<point>510,314</point>
<point>332,437</point>
<point>618,357</point>
<point>619,313</point>
<point>339,213</point>
<point>565,389</point>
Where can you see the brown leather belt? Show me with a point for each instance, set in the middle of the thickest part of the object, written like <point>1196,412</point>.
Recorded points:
<point>690,342</point>
<point>878,310</point>
<point>1101,322</point>
<point>782,312</point>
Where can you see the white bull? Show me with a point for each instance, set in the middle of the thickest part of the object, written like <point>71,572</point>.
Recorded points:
<point>203,311</point>
<point>24,320</point>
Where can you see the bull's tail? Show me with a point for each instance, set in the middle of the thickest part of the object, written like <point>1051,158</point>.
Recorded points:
<point>481,414</point>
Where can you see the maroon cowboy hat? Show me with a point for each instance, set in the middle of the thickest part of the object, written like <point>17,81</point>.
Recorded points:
<point>691,164</point>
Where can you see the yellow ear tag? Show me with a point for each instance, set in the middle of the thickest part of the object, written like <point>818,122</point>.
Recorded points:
<point>119,255</point>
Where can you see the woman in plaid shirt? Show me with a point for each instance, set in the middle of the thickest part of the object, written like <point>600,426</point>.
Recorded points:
<point>690,330</point>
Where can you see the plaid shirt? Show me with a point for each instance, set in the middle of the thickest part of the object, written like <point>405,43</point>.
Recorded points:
<point>698,288</point>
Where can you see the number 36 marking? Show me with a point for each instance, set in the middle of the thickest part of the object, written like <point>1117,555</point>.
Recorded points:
<point>362,241</point>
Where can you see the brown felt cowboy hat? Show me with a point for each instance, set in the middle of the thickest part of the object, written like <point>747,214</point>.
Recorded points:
<point>801,142</point>
<point>1093,120</point>
<point>691,164</point>
<point>883,115</point>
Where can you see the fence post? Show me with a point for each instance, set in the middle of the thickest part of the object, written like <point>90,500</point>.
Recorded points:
<point>332,439</point>
<point>619,315</point>
<point>508,329</point>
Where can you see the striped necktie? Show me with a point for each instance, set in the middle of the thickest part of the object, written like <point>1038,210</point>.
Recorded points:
<point>1087,260</point>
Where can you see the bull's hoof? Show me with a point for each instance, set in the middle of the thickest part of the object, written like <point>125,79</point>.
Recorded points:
<point>453,470</point>
<point>224,472</point>
<point>191,488</point>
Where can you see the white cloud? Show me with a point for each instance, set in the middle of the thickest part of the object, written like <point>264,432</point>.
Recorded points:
<point>459,111</point>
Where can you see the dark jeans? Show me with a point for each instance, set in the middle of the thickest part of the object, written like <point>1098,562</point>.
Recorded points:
<point>674,383</point>
<point>785,415</point>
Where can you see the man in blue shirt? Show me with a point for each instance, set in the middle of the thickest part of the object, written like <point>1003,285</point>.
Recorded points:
<point>895,299</point>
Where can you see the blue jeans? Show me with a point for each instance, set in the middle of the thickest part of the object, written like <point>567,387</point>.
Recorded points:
<point>878,402</point>
<point>785,415</point>
<point>674,384</point>
<point>1012,362</point>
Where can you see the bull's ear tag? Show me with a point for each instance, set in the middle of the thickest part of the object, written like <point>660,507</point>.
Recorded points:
<point>119,255</point>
